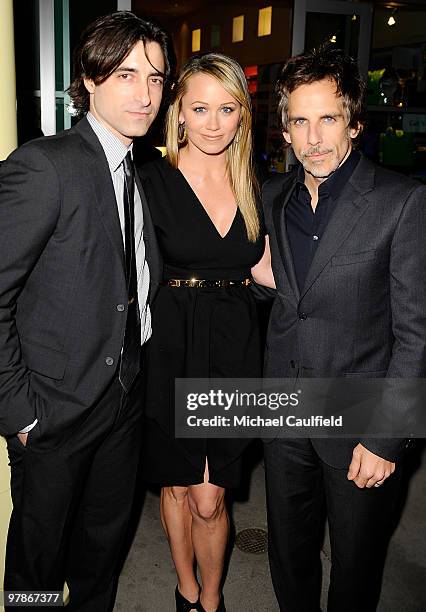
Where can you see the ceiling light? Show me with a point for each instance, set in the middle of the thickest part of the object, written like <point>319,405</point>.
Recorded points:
<point>392,21</point>
<point>333,39</point>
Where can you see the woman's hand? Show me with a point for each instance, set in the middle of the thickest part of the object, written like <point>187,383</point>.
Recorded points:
<point>262,271</point>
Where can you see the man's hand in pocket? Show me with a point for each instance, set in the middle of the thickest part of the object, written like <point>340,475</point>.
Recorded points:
<point>23,438</point>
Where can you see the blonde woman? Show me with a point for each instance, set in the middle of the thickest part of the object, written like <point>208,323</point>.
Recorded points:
<point>203,200</point>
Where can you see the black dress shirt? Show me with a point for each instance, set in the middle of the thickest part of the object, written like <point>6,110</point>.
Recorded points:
<point>305,228</point>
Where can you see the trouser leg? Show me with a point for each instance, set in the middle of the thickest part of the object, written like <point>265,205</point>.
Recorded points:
<point>71,504</point>
<point>101,523</point>
<point>295,523</point>
<point>42,495</point>
<point>360,523</point>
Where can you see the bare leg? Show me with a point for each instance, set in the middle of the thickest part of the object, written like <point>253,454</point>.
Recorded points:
<point>210,531</point>
<point>177,522</point>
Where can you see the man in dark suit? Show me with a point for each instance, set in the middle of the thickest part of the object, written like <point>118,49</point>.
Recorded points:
<point>78,269</point>
<point>349,260</point>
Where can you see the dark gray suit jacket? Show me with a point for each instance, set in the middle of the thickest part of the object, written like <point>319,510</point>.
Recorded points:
<point>62,282</point>
<point>362,311</point>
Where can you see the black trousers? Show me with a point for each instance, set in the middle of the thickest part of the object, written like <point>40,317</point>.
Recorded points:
<point>71,505</point>
<point>301,489</point>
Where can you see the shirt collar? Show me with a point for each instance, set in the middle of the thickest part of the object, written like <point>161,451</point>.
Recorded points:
<point>115,150</point>
<point>334,184</point>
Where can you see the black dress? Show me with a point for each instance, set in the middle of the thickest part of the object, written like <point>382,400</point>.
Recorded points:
<point>196,332</point>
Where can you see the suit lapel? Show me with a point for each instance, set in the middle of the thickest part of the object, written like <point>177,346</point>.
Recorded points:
<point>100,177</point>
<point>349,207</point>
<point>107,206</point>
<point>278,210</point>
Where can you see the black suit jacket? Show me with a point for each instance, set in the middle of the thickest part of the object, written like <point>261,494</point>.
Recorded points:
<point>362,311</point>
<point>62,280</point>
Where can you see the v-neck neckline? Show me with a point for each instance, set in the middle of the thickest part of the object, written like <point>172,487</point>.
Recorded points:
<point>206,214</point>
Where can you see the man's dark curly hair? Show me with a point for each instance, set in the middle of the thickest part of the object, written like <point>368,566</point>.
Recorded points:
<point>325,62</point>
<point>106,43</point>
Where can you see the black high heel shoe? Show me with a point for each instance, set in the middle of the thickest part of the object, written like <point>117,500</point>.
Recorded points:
<point>183,605</point>
<point>220,608</point>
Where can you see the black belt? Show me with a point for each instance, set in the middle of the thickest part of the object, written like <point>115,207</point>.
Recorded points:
<point>199,282</point>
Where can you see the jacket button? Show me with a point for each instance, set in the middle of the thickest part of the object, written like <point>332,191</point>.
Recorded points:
<point>303,316</point>
<point>121,307</point>
<point>109,361</point>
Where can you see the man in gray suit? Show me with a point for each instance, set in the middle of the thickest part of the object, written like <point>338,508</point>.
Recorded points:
<point>79,266</point>
<point>347,240</point>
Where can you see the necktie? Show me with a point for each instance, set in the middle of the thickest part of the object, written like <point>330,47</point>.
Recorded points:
<point>131,352</point>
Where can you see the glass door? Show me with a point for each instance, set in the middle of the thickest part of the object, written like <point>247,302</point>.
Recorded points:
<point>346,24</point>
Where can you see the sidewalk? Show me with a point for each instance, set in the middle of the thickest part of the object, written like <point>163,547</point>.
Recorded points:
<point>148,580</point>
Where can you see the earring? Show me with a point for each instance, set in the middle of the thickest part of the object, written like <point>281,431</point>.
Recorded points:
<point>237,136</point>
<point>181,133</point>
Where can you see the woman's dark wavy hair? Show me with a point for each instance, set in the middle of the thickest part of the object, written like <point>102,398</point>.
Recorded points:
<point>104,45</point>
<point>325,62</point>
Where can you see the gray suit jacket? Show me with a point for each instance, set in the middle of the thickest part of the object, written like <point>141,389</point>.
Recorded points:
<point>62,282</point>
<point>362,311</point>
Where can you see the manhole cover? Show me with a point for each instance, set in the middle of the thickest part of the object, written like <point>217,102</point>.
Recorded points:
<point>253,541</point>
